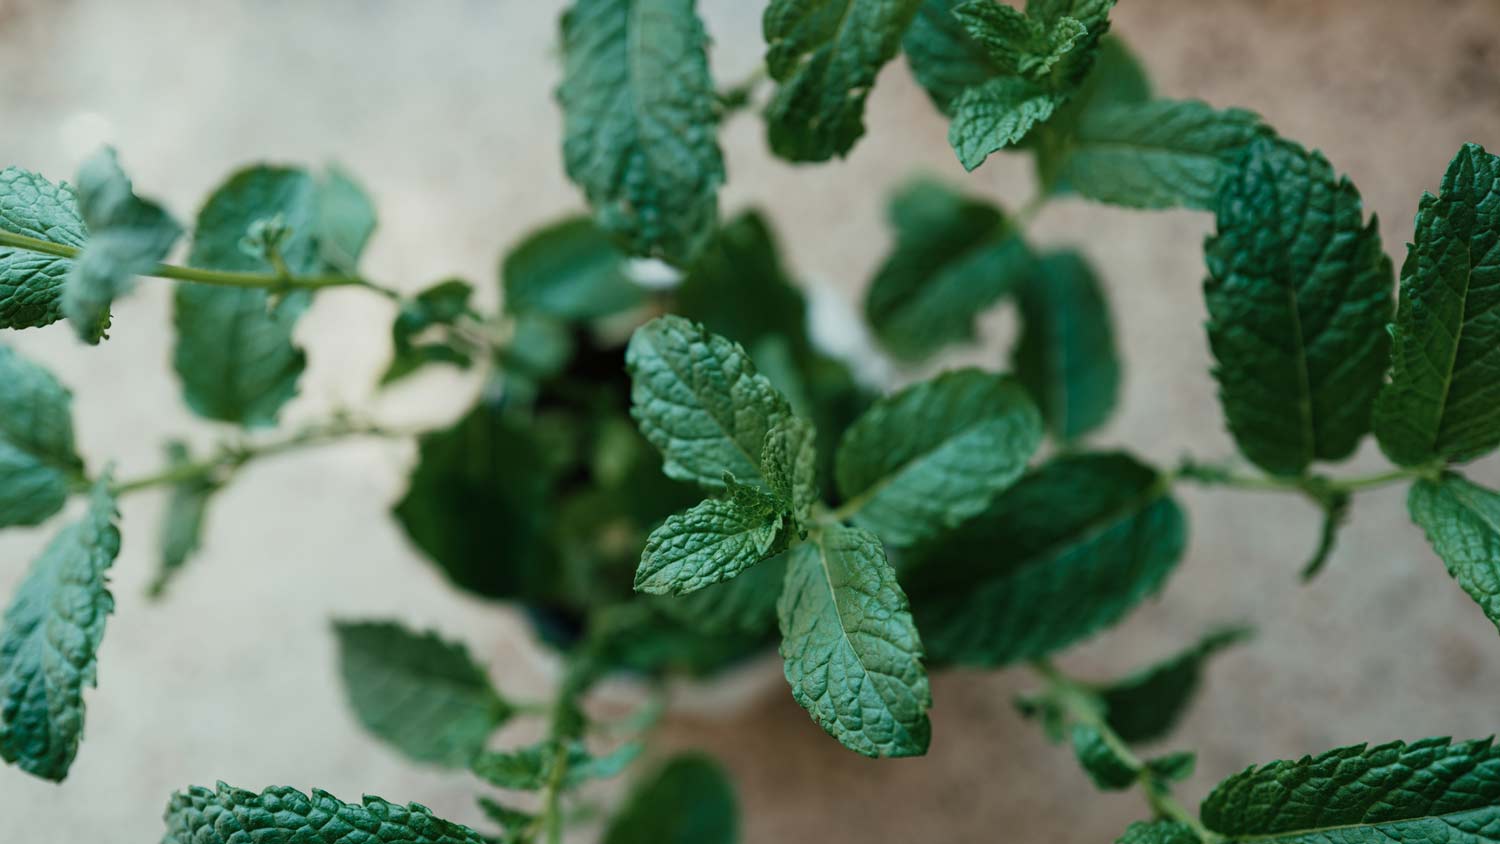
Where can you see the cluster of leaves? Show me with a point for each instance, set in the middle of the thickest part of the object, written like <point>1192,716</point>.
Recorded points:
<point>871,536</point>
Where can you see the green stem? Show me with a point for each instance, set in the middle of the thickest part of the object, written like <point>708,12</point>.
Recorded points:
<point>1029,212</point>
<point>222,278</point>
<point>1315,486</point>
<point>1081,705</point>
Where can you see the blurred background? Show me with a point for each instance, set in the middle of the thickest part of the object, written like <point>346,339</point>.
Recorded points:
<point>444,110</point>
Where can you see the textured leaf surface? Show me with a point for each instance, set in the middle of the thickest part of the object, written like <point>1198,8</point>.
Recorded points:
<point>182,522</point>
<point>1145,705</point>
<point>1102,759</point>
<point>1299,293</point>
<point>999,113</point>
<point>1066,356</point>
<point>1462,521</point>
<point>1017,43</point>
<point>789,462</point>
<point>698,398</point>
<point>1158,832</point>
<point>852,653</point>
<point>825,55</point>
<point>1441,401</point>
<point>422,695</point>
<point>689,801</point>
<point>746,604</point>
<point>37,457</point>
<point>1066,552</point>
<point>1116,79</point>
<point>127,236</point>
<point>1427,791</point>
<point>942,55</point>
<point>953,258</point>
<point>30,282</point>
<point>712,542</point>
<point>639,122</point>
<point>569,270</point>
<point>281,815</point>
<point>50,640</point>
<point>1157,154</point>
<point>935,454</point>
<point>234,349</point>
<point>478,505</point>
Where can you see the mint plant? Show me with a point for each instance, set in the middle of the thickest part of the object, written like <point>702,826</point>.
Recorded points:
<point>668,475</point>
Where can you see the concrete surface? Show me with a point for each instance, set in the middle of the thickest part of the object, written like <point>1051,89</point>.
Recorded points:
<point>444,109</point>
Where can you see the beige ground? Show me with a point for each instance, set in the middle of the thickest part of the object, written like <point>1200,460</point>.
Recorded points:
<point>444,109</point>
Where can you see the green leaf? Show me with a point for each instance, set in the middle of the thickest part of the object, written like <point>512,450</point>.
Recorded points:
<point>523,769</point>
<point>346,219</point>
<point>746,604</point>
<point>1066,552</point>
<point>1462,521</point>
<point>1158,832</point>
<point>825,55</point>
<point>1299,293</point>
<point>689,801</point>
<point>954,257</point>
<point>712,542</point>
<point>639,122</point>
<point>789,462</point>
<point>478,505</point>
<point>127,236</point>
<point>1015,42</point>
<point>1439,403</point>
<point>182,522</point>
<point>740,289</point>
<point>228,815</point>
<point>1145,705</point>
<point>569,270</point>
<point>936,453</point>
<point>513,821</point>
<point>852,653</point>
<point>439,306</point>
<point>422,695</point>
<point>999,113</point>
<point>1157,154</point>
<point>697,397</point>
<point>1065,356</point>
<point>1105,763</point>
<point>1429,790</point>
<point>942,55</point>
<point>234,349</point>
<point>50,641</point>
<point>1093,15</point>
<point>31,282</point>
<point>37,457</point>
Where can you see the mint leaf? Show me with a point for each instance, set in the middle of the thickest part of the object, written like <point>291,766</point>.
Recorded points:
<point>1015,42</point>
<point>1158,832</point>
<point>234,349</point>
<point>1157,154</point>
<point>422,695</point>
<point>50,640</point>
<point>1429,790</point>
<point>228,815</point>
<point>954,257</point>
<point>1066,356</point>
<point>569,270</point>
<point>999,113</point>
<point>698,398</point>
<point>1092,16</point>
<point>182,522</point>
<point>1066,552</point>
<point>440,305</point>
<point>746,604</point>
<point>1298,294</point>
<point>739,287</point>
<point>852,654</point>
<point>478,505</point>
<point>942,55</point>
<point>1116,79</point>
<point>934,454</point>
<point>789,462</point>
<point>825,55</point>
<point>523,769</point>
<point>1438,403</point>
<point>127,236</point>
<point>1104,762</point>
<point>710,543</point>
<point>37,457</point>
<point>513,821</point>
<point>1462,521</point>
<point>688,801</point>
<point>346,219</point>
<point>639,122</point>
<point>1145,705</point>
<point>31,282</point>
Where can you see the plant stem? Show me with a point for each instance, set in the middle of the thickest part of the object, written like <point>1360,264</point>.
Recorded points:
<point>222,278</point>
<point>1208,474</point>
<point>1028,212</point>
<point>1081,705</point>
